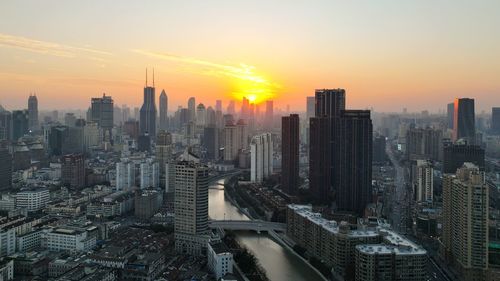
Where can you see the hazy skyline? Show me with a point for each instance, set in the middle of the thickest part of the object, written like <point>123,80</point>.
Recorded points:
<point>386,54</point>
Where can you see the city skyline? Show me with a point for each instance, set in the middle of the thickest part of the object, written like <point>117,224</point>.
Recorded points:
<point>230,50</point>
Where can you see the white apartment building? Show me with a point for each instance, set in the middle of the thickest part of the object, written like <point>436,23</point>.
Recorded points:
<point>261,153</point>
<point>32,200</point>
<point>219,259</point>
<point>150,174</point>
<point>62,239</point>
<point>125,174</point>
<point>424,185</point>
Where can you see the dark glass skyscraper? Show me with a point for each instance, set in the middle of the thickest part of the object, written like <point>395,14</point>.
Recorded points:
<point>148,112</point>
<point>449,115</point>
<point>101,112</point>
<point>455,155</point>
<point>163,110</point>
<point>290,153</point>
<point>20,124</point>
<point>464,120</point>
<point>33,112</point>
<point>329,102</point>
<point>495,120</point>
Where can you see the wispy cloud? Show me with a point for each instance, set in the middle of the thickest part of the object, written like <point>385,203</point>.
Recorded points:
<point>44,47</point>
<point>240,71</point>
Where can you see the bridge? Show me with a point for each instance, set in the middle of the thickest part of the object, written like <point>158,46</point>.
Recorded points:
<point>255,225</point>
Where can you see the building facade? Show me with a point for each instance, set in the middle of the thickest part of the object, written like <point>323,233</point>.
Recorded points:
<point>290,145</point>
<point>261,154</point>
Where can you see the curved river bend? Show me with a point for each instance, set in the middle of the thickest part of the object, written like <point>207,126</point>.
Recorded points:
<point>280,264</point>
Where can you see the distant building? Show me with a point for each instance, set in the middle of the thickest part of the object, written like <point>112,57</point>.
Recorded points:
<point>465,221</point>
<point>211,142</point>
<point>424,144</point>
<point>261,163</point>
<point>191,109</point>
<point>73,170</point>
<point>150,174</point>
<point>147,202</point>
<point>450,109</point>
<point>464,120</point>
<point>455,155</point>
<point>163,104</point>
<point>148,112</point>
<point>379,154</point>
<point>191,208</point>
<point>125,174</point>
<point>20,124</point>
<point>495,121</point>
<point>5,169</point>
<point>32,200</point>
<point>33,113</point>
<point>102,114</point>
<point>63,239</point>
<point>219,259</point>
<point>5,124</point>
<point>163,152</point>
<point>290,145</point>
<point>424,181</point>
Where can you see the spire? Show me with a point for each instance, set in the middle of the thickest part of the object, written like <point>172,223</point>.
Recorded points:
<point>153,77</point>
<point>146,77</point>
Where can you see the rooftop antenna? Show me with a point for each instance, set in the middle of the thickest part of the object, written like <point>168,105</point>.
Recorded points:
<point>146,76</point>
<point>153,77</point>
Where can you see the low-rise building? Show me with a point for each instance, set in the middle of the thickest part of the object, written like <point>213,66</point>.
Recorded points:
<point>220,259</point>
<point>32,200</point>
<point>62,239</point>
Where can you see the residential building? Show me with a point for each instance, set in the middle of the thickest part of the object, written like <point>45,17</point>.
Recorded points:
<point>290,144</point>
<point>261,151</point>
<point>219,259</point>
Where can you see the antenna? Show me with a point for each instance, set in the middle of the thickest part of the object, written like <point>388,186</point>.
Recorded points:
<point>146,76</point>
<point>153,77</point>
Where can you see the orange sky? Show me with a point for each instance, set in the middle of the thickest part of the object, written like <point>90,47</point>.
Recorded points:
<point>386,54</point>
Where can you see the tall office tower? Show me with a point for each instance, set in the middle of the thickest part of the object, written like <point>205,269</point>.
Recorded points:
<point>211,142</point>
<point>33,112</point>
<point>231,108</point>
<point>290,144</point>
<point>269,117</point>
<point>328,105</point>
<point>379,155</point>
<point>73,170</point>
<point>91,135</point>
<point>218,105</point>
<point>201,115</point>
<point>245,108</point>
<point>450,108</point>
<point>125,113</point>
<point>465,220</point>
<point>352,160</point>
<point>192,109</point>
<point>5,169</point>
<point>310,107</point>
<point>163,110</point>
<point>261,153</point>
<point>163,152</point>
<point>495,121</point>
<point>210,117</point>
<point>69,119</point>
<point>58,139</point>
<point>5,124</point>
<point>455,155</point>
<point>20,124</point>
<point>464,120</point>
<point>102,113</point>
<point>131,128</point>
<point>125,174</point>
<point>147,122</point>
<point>231,142</point>
<point>191,208</point>
<point>423,181</point>
<point>242,134</point>
<point>150,174</point>
<point>424,143</point>
<point>329,102</point>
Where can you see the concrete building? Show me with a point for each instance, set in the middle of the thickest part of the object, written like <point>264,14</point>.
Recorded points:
<point>455,155</point>
<point>125,174</point>
<point>423,182</point>
<point>6,270</point>
<point>163,152</point>
<point>150,174</point>
<point>102,113</point>
<point>147,202</point>
<point>424,144</point>
<point>219,259</point>
<point>495,121</point>
<point>63,239</point>
<point>261,163</point>
<point>73,170</point>
<point>5,169</point>
<point>191,208</point>
<point>465,221</point>
<point>32,200</point>
<point>33,112</point>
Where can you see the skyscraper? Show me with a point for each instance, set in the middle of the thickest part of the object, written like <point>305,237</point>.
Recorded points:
<point>33,112</point>
<point>329,102</point>
<point>455,155</point>
<point>495,120</point>
<point>464,120</point>
<point>465,221</point>
<point>450,115</point>
<point>5,169</point>
<point>218,105</point>
<point>163,110</point>
<point>20,124</point>
<point>147,122</point>
<point>352,160</point>
<point>423,182</point>
<point>192,109</point>
<point>163,152</point>
<point>191,208</point>
<point>73,170</point>
<point>310,102</point>
<point>102,113</point>
<point>290,153</point>
<point>261,153</point>
<point>125,174</point>
<point>269,114</point>
<point>5,124</point>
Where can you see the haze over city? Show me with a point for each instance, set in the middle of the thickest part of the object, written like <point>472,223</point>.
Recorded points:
<point>385,53</point>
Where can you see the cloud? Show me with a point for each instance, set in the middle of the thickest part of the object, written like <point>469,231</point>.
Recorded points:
<point>242,71</point>
<point>44,47</point>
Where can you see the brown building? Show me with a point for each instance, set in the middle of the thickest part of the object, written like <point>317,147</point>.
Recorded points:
<point>73,170</point>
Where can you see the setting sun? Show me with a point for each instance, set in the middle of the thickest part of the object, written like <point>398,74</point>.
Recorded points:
<point>251,85</point>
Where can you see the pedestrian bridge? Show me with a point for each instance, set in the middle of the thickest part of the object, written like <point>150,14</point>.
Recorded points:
<point>255,225</point>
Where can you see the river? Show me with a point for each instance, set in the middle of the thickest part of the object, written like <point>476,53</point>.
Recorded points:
<point>280,264</point>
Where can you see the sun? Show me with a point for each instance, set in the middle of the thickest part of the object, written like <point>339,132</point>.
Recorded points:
<point>252,86</point>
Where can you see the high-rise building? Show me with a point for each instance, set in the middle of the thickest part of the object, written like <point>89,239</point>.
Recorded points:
<point>102,113</point>
<point>218,105</point>
<point>450,109</point>
<point>290,145</point>
<point>231,108</point>
<point>73,170</point>
<point>70,119</point>
<point>261,153</point>
<point>163,111</point>
<point>131,128</point>
<point>191,109</point>
<point>5,169</point>
<point>149,174</point>
<point>163,152</point>
<point>245,108</point>
<point>329,102</point>
<point>310,110</point>
<point>465,221</point>
<point>147,122</point>
<point>455,155</point>
<point>495,121</point>
<point>269,120</point>
<point>464,120</point>
<point>58,140</point>
<point>201,115</point>
<point>352,160</point>
<point>211,142</point>
<point>5,124</point>
<point>125,174</point>
<point>191,208</point>
<point>33,112</point>
<point>424,144</point>
<point>423,181</point>
<point>20,124</point>
<point>379,155</point>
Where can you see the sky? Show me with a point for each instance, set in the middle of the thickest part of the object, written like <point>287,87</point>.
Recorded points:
<point>386,54</point>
